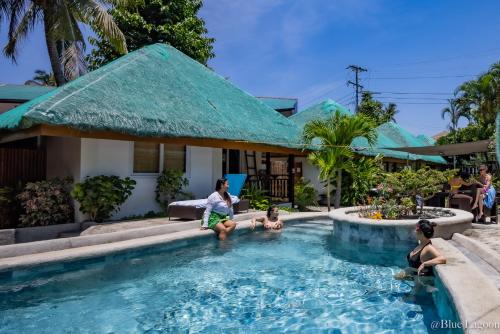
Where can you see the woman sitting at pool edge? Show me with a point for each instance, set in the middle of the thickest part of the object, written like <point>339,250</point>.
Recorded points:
<point>219,212</point>
<point>270,221</point>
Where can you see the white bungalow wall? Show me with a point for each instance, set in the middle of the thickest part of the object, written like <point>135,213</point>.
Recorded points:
<point>84,157</point>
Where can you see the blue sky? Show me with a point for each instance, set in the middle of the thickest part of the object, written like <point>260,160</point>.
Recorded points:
<point>300,48</point>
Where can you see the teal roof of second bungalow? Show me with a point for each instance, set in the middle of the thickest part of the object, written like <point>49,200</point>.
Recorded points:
<point>22,92</point>
<point>389,135</point>
<point>156,91</point>
<point>279,103</point>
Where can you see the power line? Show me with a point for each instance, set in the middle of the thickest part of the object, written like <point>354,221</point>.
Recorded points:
<point>410,93</point>
<point>425,77</point>
<point>415,102</point>
<point>412,98</point>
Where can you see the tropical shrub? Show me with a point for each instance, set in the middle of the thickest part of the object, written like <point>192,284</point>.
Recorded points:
<point>305,194</point>
<point>46,203</point>
<point>169,187</point>
<point>257,197</point>
<point>362,175</point>
<point>101,196</point>
<point>397,193</point>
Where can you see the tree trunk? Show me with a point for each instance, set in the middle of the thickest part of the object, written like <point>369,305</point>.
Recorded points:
<point>339,189</point>
<point>52,50</point>
<point>328,194</point>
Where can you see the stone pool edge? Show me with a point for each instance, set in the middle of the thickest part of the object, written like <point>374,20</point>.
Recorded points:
<point>476,299</point>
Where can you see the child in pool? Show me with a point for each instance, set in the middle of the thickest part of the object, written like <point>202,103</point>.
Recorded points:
<point>271,221</point>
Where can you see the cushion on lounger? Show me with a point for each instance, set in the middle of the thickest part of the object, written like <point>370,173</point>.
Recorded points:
<point>200,203</point>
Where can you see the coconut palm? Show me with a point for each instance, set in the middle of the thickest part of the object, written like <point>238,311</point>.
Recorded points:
<point>45,79</point>
<point>390,112</point>
<point>63,37</point>
<point>330,140</point>
<point>455,111</point>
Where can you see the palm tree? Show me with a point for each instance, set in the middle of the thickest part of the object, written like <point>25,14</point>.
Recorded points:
<point>390,112</point>
<point>455,112</point>
<point>332,139</point>
<point>44,78</point>
<point>63,37</point>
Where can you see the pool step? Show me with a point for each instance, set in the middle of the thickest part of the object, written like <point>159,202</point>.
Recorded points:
<point>482,265</point>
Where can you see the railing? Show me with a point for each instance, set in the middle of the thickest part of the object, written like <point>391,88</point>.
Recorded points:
<point>275,185</point>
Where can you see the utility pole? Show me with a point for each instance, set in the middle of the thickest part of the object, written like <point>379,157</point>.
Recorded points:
<point>356,69</point>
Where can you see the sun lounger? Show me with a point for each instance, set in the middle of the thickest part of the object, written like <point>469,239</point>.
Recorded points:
<point>193,209</point>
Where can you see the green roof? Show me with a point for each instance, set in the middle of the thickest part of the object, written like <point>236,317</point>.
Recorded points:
<point>157,91</point>
<point>388,135</point>
<point>322,110</point>
<point>279,103</point>
<point>22,92</point>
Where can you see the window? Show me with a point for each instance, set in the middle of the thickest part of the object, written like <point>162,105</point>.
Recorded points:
<point>174,157</point>
<point>146,157</point>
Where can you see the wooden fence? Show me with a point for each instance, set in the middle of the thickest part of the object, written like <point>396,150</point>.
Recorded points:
<point>275,185</point>
<point>21,166</point>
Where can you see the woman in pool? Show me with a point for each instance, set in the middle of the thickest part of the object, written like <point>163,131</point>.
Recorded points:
<point>485,194</point>
<point>270,221</point>
<point>219,212</point>
<point>425,255</point>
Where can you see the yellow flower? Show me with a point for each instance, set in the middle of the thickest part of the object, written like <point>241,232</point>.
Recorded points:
<point>376,215</point>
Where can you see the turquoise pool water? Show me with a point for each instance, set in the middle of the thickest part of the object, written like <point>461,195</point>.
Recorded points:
<point>300,280</point>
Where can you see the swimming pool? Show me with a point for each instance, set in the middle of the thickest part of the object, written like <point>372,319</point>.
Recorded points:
<point>301,280</point>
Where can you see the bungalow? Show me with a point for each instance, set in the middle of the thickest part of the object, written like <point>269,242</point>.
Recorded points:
<point>13,95</point>
<point>150,110</point>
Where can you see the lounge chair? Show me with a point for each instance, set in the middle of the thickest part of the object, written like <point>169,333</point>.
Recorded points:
<point>193,209</point>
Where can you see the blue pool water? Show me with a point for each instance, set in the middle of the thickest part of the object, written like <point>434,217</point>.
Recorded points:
<point>300,280</point>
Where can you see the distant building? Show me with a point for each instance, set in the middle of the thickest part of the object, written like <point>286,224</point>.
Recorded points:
<point>284,105</point>
<point>440,134</point>
<point>13,95</point>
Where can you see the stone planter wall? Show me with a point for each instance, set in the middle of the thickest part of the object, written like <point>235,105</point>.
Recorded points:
<point>348,227</point>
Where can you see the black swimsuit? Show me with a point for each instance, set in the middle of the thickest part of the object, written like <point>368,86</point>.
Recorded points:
<point>414,261</point>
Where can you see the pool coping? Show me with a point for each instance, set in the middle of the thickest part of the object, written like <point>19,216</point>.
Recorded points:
<point>476,299</point>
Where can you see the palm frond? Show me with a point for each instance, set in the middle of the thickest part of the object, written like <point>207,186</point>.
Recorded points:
<point>96,15</point>
<point>19,32</point>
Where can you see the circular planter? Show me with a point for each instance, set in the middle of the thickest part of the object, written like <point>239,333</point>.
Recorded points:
<point>349,227</point>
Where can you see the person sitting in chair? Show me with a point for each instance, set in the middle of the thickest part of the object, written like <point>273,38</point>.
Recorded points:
<point>485,193</point>
<point>456,182</point>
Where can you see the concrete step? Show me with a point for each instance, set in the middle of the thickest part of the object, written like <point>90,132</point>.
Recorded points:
<point>483,266</point>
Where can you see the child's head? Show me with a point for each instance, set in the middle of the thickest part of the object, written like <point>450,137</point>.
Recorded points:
<point>272,211</point>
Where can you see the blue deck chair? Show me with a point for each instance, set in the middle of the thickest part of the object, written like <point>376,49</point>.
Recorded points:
<point>236,183</point>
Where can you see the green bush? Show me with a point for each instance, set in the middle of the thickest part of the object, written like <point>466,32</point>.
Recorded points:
<point>305,194</point>
<point>362,175</point>
<point>101,196</point>
<point>46,203</point>
<point>169,188</point>
<point>257,197</point>
<point>397,192</point>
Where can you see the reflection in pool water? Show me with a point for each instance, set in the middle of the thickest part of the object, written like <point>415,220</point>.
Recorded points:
<point>300,280</point>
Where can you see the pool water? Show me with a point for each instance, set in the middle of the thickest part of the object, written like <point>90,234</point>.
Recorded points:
<point>299,280</point>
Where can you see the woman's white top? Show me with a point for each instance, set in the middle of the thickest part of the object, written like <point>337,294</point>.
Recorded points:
<point>216,203</point>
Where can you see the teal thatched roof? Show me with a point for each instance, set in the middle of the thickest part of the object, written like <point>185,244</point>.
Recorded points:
<point>322,110</point>
<point>389,135</point>
<point>22,92</point>
<point>279,103</point>
<point>157,91</point>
